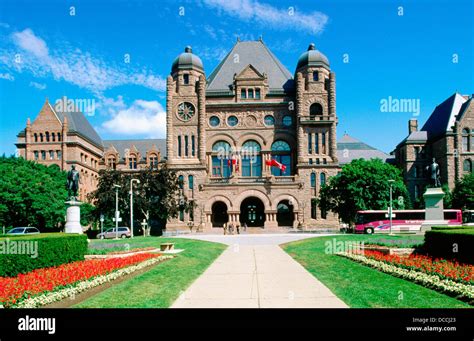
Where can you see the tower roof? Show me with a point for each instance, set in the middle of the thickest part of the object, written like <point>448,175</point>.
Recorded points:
<point>187,61</point>
<point>254,53</point>
<point>312,57</point>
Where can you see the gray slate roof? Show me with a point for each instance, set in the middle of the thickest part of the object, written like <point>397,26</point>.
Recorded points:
<point>259,56</point>
<point>142,145</point>
<point>443,117</point>
<point>78,122</point>
<point>350,148</point>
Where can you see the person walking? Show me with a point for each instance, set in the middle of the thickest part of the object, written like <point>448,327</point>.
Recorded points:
<point>237,228</point>
<point>231,228</point>
<point>225,228</point>
<point>245,227</point>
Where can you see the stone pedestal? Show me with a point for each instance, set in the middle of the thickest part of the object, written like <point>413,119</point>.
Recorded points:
<point>434,209</point>
<point>73,217</point>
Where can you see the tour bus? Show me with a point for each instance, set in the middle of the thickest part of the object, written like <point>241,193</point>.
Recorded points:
<point>405,221</point>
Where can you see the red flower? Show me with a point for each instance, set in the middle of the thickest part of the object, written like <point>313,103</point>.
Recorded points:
<point>47,279</point>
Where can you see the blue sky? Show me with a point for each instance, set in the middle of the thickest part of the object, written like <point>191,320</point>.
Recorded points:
<point>420,50</point>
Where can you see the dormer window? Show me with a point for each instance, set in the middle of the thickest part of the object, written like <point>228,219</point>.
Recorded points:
<point>315,76</point>
<point>243,93</point>
<point>250,93</point>
<point>257,93</point>
<point>186,79</point>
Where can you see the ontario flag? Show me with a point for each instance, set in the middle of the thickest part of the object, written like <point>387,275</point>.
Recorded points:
<point>275,163</point>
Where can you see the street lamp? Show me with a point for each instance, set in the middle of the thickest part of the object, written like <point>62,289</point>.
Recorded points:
<point>391,208</point>
<point>116,210</point>
<point>131,205</point>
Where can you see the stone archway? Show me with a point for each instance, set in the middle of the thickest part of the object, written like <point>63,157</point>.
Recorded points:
<point>219,214</point>
<point>252,212</point>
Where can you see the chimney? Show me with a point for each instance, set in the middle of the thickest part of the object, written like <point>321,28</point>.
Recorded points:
<point>412,125</point>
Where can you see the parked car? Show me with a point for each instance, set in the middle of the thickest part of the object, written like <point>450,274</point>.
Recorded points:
<point>123,232</point>
<point>18,231</point>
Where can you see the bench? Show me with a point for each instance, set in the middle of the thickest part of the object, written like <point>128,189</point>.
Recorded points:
<point>166,246</point>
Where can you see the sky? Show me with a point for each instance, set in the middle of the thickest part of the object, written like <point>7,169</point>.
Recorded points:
<point>117,55</point>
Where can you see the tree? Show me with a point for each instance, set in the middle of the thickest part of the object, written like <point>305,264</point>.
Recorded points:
<point>156,197</point>
<point>31,194</point>
<point>463,193</point>
<point>363,185</point>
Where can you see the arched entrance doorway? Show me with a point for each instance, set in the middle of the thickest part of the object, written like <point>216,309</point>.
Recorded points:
<point>252,212</point>
<point>219,214</point>
<point>285,216</point>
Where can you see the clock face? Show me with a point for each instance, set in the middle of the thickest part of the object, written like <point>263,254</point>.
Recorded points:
<point>185,111</point>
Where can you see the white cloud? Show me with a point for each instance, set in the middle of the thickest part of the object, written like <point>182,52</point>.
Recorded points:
<point>31,43</point>
<point>141,118</point>
<point>7,76</point>
<point>270,16</point>
<point>39,86</point>
<point>73,65</point>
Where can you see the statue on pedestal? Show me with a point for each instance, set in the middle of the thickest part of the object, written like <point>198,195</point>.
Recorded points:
<point>434,173</point>
<point>72,184</point>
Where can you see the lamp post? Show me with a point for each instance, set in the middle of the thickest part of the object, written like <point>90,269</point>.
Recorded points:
<point>131,205</point>
<point>391,208</point>
<point>116,210</point>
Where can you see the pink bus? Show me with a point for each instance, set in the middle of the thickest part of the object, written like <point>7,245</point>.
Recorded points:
<point>403,221</point>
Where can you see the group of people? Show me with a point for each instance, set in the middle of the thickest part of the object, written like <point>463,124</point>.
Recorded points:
<point>230,228</point>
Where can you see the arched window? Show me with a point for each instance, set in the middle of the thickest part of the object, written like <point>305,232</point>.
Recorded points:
<point>153,160</point>
<point>36,137</point>
<point>251,159</point>
<point>466,143</point>
<point>47,136</point>
<point>221,166</point>
<point>322,179</point>
<point>41,137</point>
<point>281,152</point>
<point>467,166</point>
<point>315,109</point>
<point>190,181</point>
<point>111,162</point>
<point>181,181</point>
<point>53,137</point>
<point>59,137</point>
<point>313,180</point>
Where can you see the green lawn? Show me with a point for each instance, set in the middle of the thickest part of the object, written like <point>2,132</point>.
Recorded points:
<point>360,286</point>
<point>162,284</point>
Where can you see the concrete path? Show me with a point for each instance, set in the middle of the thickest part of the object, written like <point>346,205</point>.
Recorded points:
<point>254,272</point>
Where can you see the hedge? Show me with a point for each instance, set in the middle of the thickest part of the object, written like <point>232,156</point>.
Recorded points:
<point>22,254</point>
<point>460,227</point>
<point>451,243</point>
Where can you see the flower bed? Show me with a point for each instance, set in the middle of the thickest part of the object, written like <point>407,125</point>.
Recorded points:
<point>43,286</point>
<point>435,274</point>
<point>463,273</point>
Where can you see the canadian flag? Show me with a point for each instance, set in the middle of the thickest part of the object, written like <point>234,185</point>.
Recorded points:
<point>275,163</point>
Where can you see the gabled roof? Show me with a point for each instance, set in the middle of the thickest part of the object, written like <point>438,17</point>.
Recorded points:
<point>77,122</point>
<point>257,54</point>
<point>142,146</point>
<point>350,148</point>
<point>443,117</point>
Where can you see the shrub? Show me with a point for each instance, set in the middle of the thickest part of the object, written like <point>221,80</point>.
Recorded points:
<point>451,243</point>
<point>39,251</point>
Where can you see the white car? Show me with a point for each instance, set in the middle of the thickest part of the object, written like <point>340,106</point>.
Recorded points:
<point>20,231</point>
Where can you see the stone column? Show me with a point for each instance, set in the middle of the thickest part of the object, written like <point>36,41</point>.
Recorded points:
<point>332,112</point>
<point>202,118</point>
<point>169,118</point>
<point>299,113</point>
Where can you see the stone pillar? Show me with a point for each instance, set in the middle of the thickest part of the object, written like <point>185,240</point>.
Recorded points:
<point>202,118</point>
<point>169,118</point>
<point>434,210</point>
<point>27,139</point>
<point>332,112</point>
<point>299,113</point>
<point>73,217</point>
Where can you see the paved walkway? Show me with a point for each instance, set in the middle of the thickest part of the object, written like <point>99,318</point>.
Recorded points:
<point>254,272</point>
